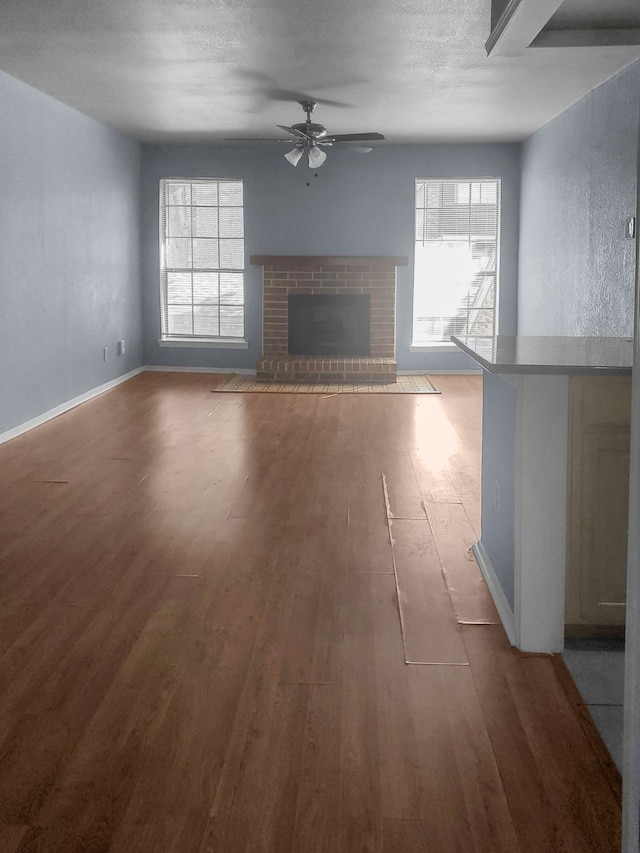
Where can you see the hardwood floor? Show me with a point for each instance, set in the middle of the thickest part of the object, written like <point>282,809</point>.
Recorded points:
<point>201,650</point>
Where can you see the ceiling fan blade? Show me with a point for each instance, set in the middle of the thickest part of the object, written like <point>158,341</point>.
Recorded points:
<point>349,146</point>
<point>294,132</point>
<point>353,137</point>
<point>276,94</point>
<point>255,139</point>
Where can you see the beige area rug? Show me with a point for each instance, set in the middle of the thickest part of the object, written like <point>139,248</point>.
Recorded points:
<point>410,384</point>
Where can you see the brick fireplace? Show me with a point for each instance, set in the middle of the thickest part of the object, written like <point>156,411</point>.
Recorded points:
<point>283,276</point>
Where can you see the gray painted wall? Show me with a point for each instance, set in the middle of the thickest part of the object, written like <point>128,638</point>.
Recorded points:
<point>498,478</point>
<point>357,205</point>
<point>69,259</point>
<point>576,268</point>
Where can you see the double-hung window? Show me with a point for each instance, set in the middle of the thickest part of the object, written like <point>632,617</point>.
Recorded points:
<point>456,258</point>
<point>202,260</point>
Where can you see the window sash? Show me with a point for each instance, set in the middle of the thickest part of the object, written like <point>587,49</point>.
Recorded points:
<point>202,258</point>
<point>456,258</point>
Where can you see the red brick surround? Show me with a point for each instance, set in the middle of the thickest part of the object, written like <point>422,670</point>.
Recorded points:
<point>282,275</point>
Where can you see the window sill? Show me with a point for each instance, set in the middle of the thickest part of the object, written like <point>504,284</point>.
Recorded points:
<point>203,343</point>
<point>439,347</point>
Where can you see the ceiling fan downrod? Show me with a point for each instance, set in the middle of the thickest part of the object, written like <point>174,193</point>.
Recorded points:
<point>308,107</point>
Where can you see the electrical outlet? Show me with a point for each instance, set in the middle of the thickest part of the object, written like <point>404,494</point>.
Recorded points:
<point>106,353</point>
<point>120,347</point>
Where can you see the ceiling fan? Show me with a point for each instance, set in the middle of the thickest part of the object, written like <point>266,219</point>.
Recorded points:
<point>309,137</point>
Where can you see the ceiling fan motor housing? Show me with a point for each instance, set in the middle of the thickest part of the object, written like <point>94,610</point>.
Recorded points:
<point>317,131</point>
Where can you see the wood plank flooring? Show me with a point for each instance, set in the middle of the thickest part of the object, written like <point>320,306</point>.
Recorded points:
<point>201,650</point>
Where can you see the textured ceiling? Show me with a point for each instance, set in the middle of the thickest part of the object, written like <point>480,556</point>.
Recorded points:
<point>203,70</point>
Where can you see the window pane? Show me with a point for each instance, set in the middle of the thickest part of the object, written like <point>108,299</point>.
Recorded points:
<point>232,254</point>
<point>231,322</point>
<point>178,253</point>
<point>177,192</point>
<point>179,221</point>
<point>231,289</point>
<point>205,321</point>
<point>205,193</point>
<point>463,193</point>
<point>434,225</point>
<point>205,254</point>
<point>434,194</point>
<point>482,292</point>
<point>178,287</point>
<point>205,221</point>
<point>231,222</point>
<point>458,222</point>
<point>489,193</point>
<point>480,323</point>
<point>231,194</point>
<point>483,221</point>
<point>205,288</point>
<point>484,252</point>
<point>179,320</point>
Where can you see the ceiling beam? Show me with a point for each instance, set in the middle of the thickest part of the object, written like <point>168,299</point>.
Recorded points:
<point>519,24</point>
<point>587,38</point>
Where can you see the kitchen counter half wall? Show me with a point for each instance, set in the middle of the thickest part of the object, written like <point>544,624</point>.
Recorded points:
<point>527,406</point>
<point>549,355</point>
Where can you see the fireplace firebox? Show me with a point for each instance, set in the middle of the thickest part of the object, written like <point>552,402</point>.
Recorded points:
<point>329,324</point>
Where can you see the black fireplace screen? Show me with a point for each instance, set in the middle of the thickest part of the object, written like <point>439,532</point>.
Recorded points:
<point>329,324</point>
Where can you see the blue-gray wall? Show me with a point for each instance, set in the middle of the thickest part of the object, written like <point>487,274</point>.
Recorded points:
<point>69,253</point>
<point>357,205</point>
<point>576,269</point>
<point>498,478</point>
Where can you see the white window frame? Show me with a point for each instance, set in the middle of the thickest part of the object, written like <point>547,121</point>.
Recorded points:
<point>185,338</point>
<point>473,194</point>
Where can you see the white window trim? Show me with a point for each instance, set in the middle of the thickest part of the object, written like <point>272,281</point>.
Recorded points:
<point>212,343</point>
<point>441,346</point>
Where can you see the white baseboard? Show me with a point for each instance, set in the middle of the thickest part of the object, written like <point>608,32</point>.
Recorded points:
<point>499,598</point>
<point>161,368</point>
<point>64,407</point>
<point>428,372</point>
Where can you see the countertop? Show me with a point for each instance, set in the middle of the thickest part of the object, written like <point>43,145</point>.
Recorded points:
<point>547,355</point>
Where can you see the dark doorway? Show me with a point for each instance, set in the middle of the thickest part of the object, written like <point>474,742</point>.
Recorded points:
<point>329,324</point>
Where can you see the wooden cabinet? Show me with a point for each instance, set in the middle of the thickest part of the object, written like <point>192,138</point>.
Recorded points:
<point>597,517</point>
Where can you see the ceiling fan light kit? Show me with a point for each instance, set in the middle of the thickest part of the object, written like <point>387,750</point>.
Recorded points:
<point>316,157</point>
<point>312,138</point>
<point>293,156</point>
